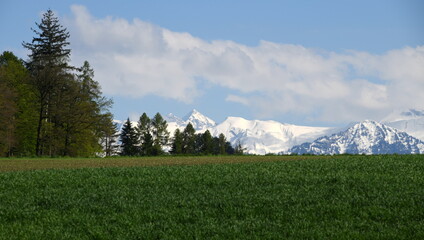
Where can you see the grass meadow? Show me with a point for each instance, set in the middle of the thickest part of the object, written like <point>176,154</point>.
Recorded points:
<point>237,197</point>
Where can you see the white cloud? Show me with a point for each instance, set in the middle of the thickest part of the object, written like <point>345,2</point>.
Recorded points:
<point>237,99</point>
<point>138,58</point>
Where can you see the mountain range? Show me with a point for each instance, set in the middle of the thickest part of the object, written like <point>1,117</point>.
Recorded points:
<point>367,137</point>
<point>258,137</point>
<point>398,133</point>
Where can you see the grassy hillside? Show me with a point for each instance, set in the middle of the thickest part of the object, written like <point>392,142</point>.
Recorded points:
<point>353,197</point>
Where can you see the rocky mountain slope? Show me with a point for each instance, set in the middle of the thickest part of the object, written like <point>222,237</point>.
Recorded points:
<point>367,137</point>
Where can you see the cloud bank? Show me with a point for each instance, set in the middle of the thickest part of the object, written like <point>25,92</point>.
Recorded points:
<point>137,58</point>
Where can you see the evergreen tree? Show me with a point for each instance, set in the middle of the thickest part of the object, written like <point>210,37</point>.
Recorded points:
<point>177,142</point>
<point>198,143</point>
<point>207,146</point>
<point>48,64</point>
<point>222,144</point>
<point>189,139</point>
<point>128,139</point>
<point>215,149</point>
<point>147,145</point>
<point>160,134</point>
<point>229,148</point>
<point>92,119</point>
<point>144,135</point>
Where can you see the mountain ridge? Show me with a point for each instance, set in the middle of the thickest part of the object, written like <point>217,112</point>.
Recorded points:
<point>366,137</point>
<point>269,136</point>
<point>257,136</point>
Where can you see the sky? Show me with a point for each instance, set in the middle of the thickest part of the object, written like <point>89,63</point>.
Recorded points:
<point>317,63</point>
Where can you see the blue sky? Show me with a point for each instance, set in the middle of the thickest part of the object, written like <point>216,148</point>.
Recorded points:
<point>302,62</point>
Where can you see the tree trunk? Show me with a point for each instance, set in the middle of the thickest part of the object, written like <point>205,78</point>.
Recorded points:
<point>40,122</point>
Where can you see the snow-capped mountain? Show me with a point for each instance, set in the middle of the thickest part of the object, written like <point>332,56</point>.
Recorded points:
<point>258,137</point>
<point>199,121</point>
<point>411,122</point>
<point>367,137</point>
<point>261,137</point>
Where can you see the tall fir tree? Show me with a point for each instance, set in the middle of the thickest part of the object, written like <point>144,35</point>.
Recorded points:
<point>128,139</point>
<point>177,143</point>
<point>207,146</point>
<point>73,116</point>
<point>189,139</point>
<point>160,134</point>
<point>49,68</point>
<point>222,144</point>
<point>144,128</point>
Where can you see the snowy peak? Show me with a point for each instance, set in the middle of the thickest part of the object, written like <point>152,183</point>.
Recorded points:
<point>367,137</point>
<point>199,121</point>
<point>172,118</point>
<point>261,137</point>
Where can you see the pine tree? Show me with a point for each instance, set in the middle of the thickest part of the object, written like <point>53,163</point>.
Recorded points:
<point>91,116</point>
<point>207,146</point>
<point>222,144</point>
<point>147,146</point>
<point>128,139</point>
<point>189,139</point>
<point>49,68</point>
<point>177,142</point>
<point>229,148</point>
<point>160,134</point>
<point>144,135</point>
<point>198,143</point>
<point>215,149</point>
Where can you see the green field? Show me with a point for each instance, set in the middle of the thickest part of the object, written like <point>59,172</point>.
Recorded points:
<point>269,197</point>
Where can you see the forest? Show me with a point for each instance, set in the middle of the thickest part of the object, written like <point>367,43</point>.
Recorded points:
<point>50,108</point>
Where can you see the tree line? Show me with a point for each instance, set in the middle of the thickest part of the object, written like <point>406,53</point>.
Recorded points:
<point>47,106</point>
<point>50,108</point>
<point>150,137</point>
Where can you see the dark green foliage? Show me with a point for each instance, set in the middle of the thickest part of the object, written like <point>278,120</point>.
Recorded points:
<point>129,140</point>
<point>207,140</point>
<point>108,135</point>
<point>222,144</point>
<point>145,138</point>
<point>343,197</point>
<point>147,145</point>
<point>177,143</point>
<point>8,110</point>
<point>160,134</point>
<point>50,73</point>
<point>189,143</point>
<point>229,149</point>
<point>189,139</point>
<point>18,112</point>
<point>59,109</point>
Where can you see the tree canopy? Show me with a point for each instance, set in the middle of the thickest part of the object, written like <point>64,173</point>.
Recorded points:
<point>47,106</point>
